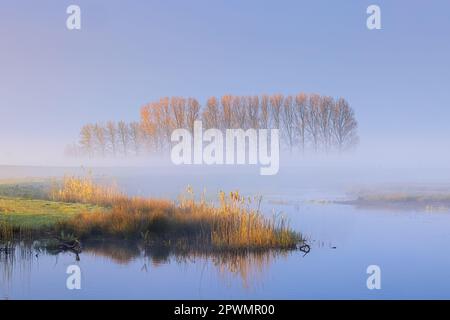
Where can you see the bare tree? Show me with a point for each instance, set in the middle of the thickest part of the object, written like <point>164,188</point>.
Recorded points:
<point>288,122</point>
<point>313,124</point>
<point>193,113</point>
<point>301,118</point>
<point>135,131</point>
<point>87,139</point>
<point>179,111</point>
<point>157,124</point>
<point>124,138</point>
<point>99,139</point>
<point>239,113</point>
<point>211,114</point>
<point>226,112</point>
<point>276,102</point>
<point>252,107</point>
<point>167,125</point>
<point>264,119</point>
<point>325,125</point>
<point>344,125</point>
<point>111,136</point>
<point>149,125</point>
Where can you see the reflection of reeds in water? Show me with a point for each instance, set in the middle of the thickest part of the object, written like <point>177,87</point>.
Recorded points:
<point>17,261</point>
<point>9,232</point>
<point>247,266</point>
<point>119,252</point>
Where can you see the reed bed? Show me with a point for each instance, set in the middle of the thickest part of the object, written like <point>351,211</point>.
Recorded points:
<point>6,231</point>
<point>84,190</point>
<point>230,224</point>
<point>10,232</point>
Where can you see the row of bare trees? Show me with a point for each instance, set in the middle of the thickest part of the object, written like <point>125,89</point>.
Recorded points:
<point>110,139</point>
<point>307,122</point>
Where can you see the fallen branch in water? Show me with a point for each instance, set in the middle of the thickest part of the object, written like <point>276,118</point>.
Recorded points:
<point>305,248</point>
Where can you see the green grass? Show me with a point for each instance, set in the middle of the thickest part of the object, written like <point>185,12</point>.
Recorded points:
<point>25,188</point>
<point>29,213</point>
<point>235,223</point>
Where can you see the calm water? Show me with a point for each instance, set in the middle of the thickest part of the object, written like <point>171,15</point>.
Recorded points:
<point>411,248</point>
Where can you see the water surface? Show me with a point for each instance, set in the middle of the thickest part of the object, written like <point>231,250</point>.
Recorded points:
<point>410,246</point>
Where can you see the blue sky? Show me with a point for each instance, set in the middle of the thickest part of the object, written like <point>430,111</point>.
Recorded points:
<point>53,80</point>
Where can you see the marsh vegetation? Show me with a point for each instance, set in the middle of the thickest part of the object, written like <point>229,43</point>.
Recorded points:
<point>430,200</point>
<point>85,210</point>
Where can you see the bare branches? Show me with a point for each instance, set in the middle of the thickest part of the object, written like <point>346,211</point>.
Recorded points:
<point>288,123</point>
<point>307,122</point>
<point>193,113</point>
<point>301,119</point>
<point>211,116</point>
<point>344,125</point>
<point>276,102</point>
<point>136,135</point>
<point>124,136</point>
<point>87,139</point>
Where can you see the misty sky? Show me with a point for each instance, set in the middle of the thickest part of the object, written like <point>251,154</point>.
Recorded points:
<point>52,80</point>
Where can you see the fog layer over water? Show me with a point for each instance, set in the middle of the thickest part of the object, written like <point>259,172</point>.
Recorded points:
<point>409,246</point>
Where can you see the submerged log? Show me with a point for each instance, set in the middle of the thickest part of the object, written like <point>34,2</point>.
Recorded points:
<point>74,246</point>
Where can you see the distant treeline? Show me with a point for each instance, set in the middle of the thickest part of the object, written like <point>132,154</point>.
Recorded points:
<point>307,122</point>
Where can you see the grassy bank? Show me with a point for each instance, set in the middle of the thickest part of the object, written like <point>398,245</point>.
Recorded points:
<point>28,213</point>
<point>81,208</point>
<point>25,188</point>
